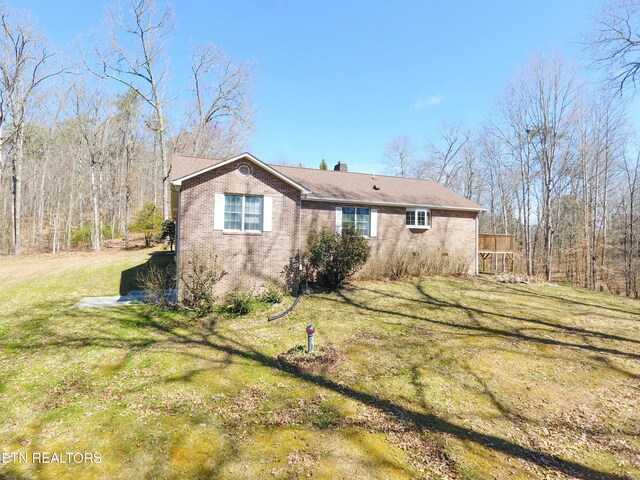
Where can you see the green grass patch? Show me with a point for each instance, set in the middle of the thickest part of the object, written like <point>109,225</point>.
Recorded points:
<point>438,378</point>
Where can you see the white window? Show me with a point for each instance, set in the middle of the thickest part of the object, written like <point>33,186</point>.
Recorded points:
<point>243,213</point>
<point>418,218</point>
<point>357,218</point>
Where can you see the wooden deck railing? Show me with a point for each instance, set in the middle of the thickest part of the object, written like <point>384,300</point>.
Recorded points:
<point>495,243</point>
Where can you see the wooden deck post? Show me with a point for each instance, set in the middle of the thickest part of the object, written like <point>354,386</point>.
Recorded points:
<point>494,244</point>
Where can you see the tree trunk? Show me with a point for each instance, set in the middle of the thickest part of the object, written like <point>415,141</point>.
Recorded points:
<point>127,196</point>
<point>164,163</point>
<point>605,191</point>
<point>548,227</point>
<point>17,190</point>
<point>155,172</point>
<point>41,199</point>
<point>55,243</point>
<point>95,228</point>
<point>526,202</point>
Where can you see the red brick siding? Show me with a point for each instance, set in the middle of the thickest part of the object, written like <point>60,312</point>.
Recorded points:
<point>451,231</point>
<point>250,260</point>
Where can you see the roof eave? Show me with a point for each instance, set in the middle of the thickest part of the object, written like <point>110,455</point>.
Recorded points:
<point>394,204</point>
<point>178,181</point>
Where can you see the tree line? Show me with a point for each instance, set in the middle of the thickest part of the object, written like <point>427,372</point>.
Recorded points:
<point>557,164</point>
<point>78,160</point>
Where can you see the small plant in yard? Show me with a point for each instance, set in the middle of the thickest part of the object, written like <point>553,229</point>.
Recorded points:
<point>272,294</point>
<point>335,257</point>
<point>168,232</point>
<point>239,302</point>
<point>149,222</point>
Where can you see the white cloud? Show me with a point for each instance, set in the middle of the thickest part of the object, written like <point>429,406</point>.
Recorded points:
<point>426,102</point>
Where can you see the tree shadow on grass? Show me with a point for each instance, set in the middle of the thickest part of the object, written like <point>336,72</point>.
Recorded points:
<point>418,421</point>
<point>490,330</point>
<point>436,302</point>
<point>533,293</point>
<point>129,277</point>
<point>422,422</point>
<point>9,473</point>
<point>430,299</point>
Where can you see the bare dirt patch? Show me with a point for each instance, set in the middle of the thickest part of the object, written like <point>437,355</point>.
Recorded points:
<point>322,360</point>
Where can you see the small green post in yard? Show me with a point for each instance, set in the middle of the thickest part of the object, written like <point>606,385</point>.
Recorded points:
<point>310,332</point>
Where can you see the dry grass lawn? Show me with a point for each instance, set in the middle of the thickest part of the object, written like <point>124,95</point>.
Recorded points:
<point>437,378</point>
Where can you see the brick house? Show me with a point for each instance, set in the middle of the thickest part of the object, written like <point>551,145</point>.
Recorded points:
<point>256,216</point>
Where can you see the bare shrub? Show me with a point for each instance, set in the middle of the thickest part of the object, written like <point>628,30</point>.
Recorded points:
<point>296,272</point>
<point>199,274</point>
<point>155,281</point>
<point>400,265</point>
<point>407,263</point>
<point>442,262</point>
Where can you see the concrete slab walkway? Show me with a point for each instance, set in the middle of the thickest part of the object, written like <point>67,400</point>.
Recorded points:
<point>134,297</point>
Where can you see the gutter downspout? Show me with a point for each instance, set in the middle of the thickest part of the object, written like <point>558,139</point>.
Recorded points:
<point>299,241</point>
<point>476,244</point>
<point>297,299</point>
<point>177,255</point>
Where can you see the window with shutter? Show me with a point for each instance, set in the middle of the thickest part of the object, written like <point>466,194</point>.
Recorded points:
<point>243,213</point>
<point>357,218</point>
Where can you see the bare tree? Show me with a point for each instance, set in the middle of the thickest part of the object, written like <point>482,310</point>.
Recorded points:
<point>630,241</point>
<point>399,157</point>
<point>141,67</point>
<point>600,140</point>
<point>443,160</point>
<point>127,118</point>
<point>90,110</point>
<point>468,182</point>
<point>513,128</point>
<point>616,42</point>
<point>496,165</point>
<point>24,63</point>
<point>552,92</point>
<point>222,117</point>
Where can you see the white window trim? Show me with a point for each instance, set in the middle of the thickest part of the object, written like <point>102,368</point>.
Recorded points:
<point>356,215</point>
<point>242,229</point>
<point>427,217</point>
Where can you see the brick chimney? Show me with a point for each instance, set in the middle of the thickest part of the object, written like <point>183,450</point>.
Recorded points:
<point>340,167</point>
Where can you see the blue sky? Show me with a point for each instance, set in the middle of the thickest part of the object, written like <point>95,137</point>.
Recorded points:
<point>339,79</point>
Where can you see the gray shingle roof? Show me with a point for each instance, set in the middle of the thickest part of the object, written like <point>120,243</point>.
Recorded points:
<point>183,165</point>
<point>351,186</point>
<point>331,184</point>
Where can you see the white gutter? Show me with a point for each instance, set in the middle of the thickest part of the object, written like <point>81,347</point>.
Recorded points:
<point>394,204</point>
